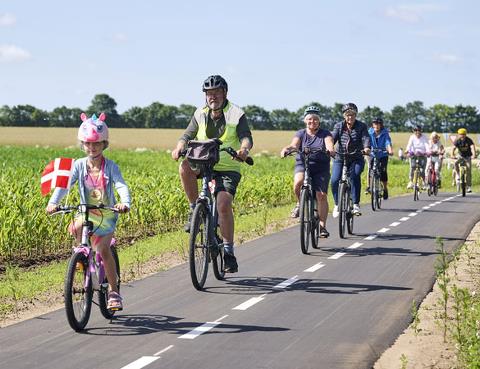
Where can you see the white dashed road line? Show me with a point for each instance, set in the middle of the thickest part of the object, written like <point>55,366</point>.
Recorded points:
<point>287,283</point>
<point>338,255</point>
<point>314,268</point>
<point>371,237</point>
<point>249,303</point>
<point>394,224</point>
<point>202,329</point>
<point>162,351</point>
<point>383,230</point>
<point>355,245</point>
<point>412,214</point>
<point>140,363</point>
<point>404,219</point>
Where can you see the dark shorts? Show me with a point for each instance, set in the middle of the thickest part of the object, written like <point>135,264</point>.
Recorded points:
<point>382,166</point>
<point>320,179</point>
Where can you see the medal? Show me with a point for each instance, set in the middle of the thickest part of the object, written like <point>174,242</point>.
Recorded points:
<point>96,194</point>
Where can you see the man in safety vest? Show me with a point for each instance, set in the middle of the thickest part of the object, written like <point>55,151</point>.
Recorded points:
<point>226,121</point>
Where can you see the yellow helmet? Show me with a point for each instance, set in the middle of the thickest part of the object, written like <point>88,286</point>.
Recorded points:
<point>462,131</point>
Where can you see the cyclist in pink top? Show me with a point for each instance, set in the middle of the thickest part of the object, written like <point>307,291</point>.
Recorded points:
<point>417,146</point>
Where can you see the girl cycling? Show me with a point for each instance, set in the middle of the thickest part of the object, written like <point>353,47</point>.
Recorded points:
<point>97,176</point>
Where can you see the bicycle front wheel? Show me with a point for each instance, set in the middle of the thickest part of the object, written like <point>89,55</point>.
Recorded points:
<point>342,209</point>
<point>463,183</point>
<point>349,213</point>
<point>103,292</point>
<point>217,259</point>
<point>78,292</point>
<point>305,220</point>
<point>379,195</point>
<point>198,246</point>
<point>373,192</point>
<point>415,186</point>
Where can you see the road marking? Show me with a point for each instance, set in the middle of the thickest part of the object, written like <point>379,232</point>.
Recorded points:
<point>371,237</point>
<point>394,224</point>
<point>162,351</point>
<point>419,211</point>
<point>438,203</point>
<point>412,214</point>
<point>287,283</point>
<point>338,255</point>
<point>383,230</point>
<point>404,219</point>
<point>249,303</point>
<point>140,363</point>
<point>314,268</point>
<point>355,245</point>
<point>426,207</point>
<point>202,329</point>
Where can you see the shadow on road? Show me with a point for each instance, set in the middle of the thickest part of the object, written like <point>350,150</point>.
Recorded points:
<point>133,325</point>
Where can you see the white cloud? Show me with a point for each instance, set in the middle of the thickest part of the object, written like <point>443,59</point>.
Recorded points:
<point>13,54</point>
<point>447,58</point>
<point>7,19</point>
<point>412,13</point>
<point>120,37</point>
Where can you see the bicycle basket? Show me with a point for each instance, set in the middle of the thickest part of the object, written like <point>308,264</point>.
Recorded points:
<point>203,153</point>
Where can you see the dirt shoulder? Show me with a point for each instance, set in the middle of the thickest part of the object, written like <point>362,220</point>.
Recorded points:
<point>422,345</point>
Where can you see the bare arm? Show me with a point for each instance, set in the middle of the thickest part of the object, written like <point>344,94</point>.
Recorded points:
<point>295,144</point>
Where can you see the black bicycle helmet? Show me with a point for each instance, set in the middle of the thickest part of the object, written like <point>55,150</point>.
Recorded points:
<point>417,128</point>
<point>378,120</point>
<point>311,110</point>
<point>349,107</point>
<point>213,82</point>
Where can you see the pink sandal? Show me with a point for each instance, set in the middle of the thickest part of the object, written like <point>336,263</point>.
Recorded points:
<point>115,301</point>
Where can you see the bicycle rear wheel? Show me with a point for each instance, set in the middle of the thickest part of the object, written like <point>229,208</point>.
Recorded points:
<point>217,259</point>
<point>103,292</point>
<point>305,219</point>
<point>415,186</point>
<point>198,246</point>
<point>463,183</point>
<point>379,195</point>
<point>342,209</point>
<point>78,292</point>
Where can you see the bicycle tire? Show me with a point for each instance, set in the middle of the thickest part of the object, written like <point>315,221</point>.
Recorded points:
<point>415,186</point>
<point>315,223</point>
<point>349,213</point>
<point>198,246</point>
<point>217,260</point>
<point>379,196</point>
<point>373,190</point>
<point>103,292</point>
<point>463,183</point>
<point>305,220</point>
<point>342,209</point>
<point>77,292</point>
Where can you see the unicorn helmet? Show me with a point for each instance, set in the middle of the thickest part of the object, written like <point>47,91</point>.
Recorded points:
<point>93,129</point>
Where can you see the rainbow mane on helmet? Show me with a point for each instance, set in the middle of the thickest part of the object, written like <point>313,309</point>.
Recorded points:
<point>93,129</point>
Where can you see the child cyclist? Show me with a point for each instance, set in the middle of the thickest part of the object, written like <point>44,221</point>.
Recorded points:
<point>97,176</point>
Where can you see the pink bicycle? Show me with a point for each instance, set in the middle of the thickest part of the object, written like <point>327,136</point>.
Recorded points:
<point>86,273</point>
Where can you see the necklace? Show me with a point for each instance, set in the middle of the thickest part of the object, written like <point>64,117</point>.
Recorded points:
<point>97,182</point>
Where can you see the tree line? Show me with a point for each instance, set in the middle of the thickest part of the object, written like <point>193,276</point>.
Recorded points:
<point>439,117</point>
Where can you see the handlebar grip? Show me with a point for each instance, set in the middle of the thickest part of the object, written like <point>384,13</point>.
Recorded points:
<point>249,160</point>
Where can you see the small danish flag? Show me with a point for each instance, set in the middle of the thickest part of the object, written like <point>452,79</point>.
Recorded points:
<point>57,174</point>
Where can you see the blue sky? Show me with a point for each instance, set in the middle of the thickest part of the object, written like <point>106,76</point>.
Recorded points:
<point>275,54</point>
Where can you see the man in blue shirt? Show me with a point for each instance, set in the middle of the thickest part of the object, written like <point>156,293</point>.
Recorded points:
<point>380,140</point>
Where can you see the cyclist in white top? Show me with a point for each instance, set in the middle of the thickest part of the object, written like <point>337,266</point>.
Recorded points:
<point>435,154</point>
<point>417,146</point>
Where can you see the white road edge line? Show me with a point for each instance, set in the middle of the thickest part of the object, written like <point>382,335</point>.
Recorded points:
<point>355,245</point>
<point>314,268</point>
<point>249,303</point>
<point>338,255</point>
<point>140,363</point>
<point>287,283</point>
<point>202,329</point>
<point>162,351</point>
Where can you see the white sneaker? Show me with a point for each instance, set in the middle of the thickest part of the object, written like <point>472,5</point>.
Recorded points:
<point>469,189</point>
<point>356,210</point>
<point>410,185</point>
<point>335,212</point>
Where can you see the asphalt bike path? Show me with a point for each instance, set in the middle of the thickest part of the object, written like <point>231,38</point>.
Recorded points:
<point>339,307</point>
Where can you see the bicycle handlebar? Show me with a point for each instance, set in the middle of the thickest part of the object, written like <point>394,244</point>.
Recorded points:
<point>66,209</point>
<point>306,151</point>
<point>230,150</point>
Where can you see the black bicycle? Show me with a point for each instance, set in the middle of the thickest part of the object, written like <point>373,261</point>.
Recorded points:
<point>345,201</point>
<point>205,244</point>
<point>309,219</point>
<point>375,183</point>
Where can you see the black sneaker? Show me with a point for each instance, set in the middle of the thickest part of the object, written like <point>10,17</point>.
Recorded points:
<point>230,261</point>
<point>323,232</point>
<point>186,227</point>
<point>385,194</point>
